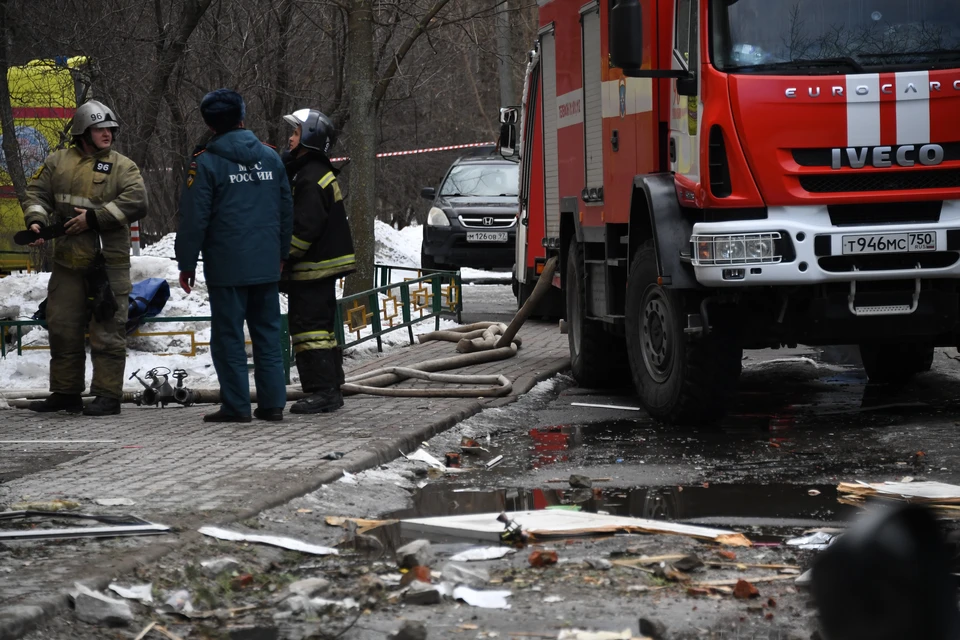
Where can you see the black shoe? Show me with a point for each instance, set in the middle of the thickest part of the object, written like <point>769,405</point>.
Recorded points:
<point>102,406</point>
<point>69,402</point>
<point>272,415</point>
<point>319,402</point>
<point>220,416</point>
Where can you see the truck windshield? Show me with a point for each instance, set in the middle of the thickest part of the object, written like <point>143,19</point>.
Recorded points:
<point>488,180</point>
<point>834,36</point>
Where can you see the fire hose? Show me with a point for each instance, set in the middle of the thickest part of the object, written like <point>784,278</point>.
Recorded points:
<point>477,343</point>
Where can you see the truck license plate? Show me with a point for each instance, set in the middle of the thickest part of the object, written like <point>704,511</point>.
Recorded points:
<point>486,236</point>
<point>890,242</point>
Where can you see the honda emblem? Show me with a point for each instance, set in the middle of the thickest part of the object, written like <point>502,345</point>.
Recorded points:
<point>488,221</point>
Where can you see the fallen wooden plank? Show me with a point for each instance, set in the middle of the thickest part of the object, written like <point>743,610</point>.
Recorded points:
<point>733,583</point>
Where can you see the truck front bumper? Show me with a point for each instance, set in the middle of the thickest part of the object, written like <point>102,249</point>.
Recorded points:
<point>807,248</point>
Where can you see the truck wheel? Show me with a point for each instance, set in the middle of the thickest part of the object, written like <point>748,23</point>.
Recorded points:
<point>596,356</point>
<point>895,362</point>
<point>680,380</point>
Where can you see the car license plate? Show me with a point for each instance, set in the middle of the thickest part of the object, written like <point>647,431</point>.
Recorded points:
<point>890,242</point>
<point>486,236</point>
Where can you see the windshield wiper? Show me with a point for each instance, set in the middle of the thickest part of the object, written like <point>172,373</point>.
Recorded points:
<point>814,63</point>
<point>938,55</point>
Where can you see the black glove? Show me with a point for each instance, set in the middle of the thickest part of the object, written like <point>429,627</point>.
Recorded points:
<point>27,236</point>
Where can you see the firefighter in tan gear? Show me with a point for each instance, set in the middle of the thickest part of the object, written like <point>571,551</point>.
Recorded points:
<point>321,251</point>
<point>86,196</point>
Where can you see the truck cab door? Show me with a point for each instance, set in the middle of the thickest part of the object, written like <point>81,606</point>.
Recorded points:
<point>683,150</point>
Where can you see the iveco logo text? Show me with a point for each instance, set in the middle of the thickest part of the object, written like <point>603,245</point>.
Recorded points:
<point>906,155</point>
<point>863,90</point>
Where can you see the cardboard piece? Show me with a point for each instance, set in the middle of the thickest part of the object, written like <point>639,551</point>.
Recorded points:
<point>561,524</point>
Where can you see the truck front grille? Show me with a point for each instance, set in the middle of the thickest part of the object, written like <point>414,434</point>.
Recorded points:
<point>852,181</point>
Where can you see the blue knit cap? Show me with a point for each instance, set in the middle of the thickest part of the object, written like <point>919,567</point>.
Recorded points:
<point>223,109</point>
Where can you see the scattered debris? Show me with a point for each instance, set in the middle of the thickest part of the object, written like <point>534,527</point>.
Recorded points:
<point>580,482</point>
<point>815,541</point>
<point>462,574</point>
<point>422,593</point>
<point>542,558</point>
<point>945,498</point>
<point>309,588</point>
<point>576,634</point>
<point>219,566</point>
<point>482,553</point>
<point>141,592</point>
<point>599,563</point>
<point>364,525</point>
<point>813,492</point>
<point>146,630</point>
<point>469,445</point>
<point>552,523</point>
<point>688,564</point>
<point>275,541</point>
<point>333,455</point>
<point>417,553</point>
<point>96,608</point>
<point>419,573</point>
<point>483,599</point>
<point>53,505</point>
<point>745,590</point>
<point>494,462</point>
<point>122,525</point>
<point>115,502</point>
<point>411,630</point>
<point>553,599</point>
<point>604,406</point>
<point>179,601</point>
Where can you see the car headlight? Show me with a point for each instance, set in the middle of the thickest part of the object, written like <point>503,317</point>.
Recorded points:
<point>437,218</point>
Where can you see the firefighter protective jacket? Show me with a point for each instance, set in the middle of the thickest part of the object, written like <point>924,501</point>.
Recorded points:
<point>322,245</point>
<point>107,184</point>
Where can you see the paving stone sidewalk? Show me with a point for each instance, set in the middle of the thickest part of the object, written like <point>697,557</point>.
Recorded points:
<point>184,473</point>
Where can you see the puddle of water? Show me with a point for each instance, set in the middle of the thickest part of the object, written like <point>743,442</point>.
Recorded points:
<point>766,512</point>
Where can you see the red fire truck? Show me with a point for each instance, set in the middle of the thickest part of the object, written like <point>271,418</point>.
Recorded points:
<point>716,175</point>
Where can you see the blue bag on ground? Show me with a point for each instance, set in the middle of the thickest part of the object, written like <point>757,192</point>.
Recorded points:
<point>147,298</point>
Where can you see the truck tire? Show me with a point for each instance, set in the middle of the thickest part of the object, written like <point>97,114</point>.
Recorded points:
<point>894,363</point>
<point>680,380</point>
<point>596,356</point>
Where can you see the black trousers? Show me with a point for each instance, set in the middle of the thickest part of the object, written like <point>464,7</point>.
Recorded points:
<point>311,313</point>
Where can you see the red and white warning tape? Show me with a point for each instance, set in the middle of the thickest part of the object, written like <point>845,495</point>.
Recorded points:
<point>410,152</point>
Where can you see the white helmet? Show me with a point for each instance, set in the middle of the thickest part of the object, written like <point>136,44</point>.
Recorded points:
<point>93,114</point>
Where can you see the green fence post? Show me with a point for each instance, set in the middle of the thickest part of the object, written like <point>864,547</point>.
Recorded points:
<point>435,282</point>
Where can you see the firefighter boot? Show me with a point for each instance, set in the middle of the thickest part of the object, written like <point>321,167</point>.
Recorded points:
<point>324,382</point>
<point>102,406</point>
<point>69,402</point>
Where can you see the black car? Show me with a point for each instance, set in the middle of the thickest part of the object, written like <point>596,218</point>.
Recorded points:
<point>473,221</point>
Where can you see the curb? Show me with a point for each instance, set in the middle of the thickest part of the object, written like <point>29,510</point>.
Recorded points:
<point>18,620</point>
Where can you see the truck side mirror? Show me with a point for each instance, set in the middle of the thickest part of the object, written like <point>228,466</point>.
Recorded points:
<point>428,193</point>
<point>626,34</point>
<point>508,140</point>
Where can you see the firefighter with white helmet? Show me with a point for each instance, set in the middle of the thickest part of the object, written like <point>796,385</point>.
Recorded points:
<point>85,197</point>
<point>321,251</point>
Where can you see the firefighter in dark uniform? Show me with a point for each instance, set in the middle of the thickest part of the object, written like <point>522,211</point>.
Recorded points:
<point>93,193</point>
<point>236,209</point>
<point>321,251</point>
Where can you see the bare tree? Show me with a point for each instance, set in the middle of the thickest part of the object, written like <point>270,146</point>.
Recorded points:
<point>11,146</point>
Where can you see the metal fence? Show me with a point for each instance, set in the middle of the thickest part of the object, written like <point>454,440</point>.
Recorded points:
<point>429,295</point>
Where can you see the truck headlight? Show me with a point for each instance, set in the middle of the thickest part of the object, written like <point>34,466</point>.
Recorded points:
<point>747,248</point>
<point>437,218</point>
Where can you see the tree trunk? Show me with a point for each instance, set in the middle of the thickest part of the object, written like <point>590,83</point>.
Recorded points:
<point>11,146</point>
<point>170,56</point>
<point>362,196</point>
